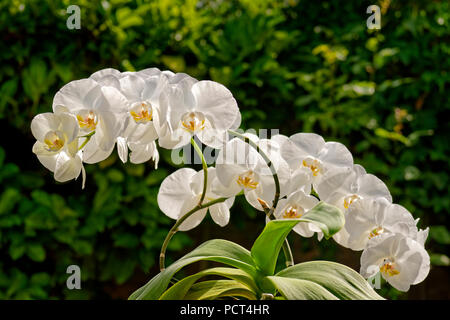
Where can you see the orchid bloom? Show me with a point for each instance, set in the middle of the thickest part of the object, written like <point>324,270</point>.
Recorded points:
<point>57,145</point>
<point>401,261</point>
<point>181,191</point>
<point>241,168</point>
<point>206,109</point>
<point>142,93</point>
<point>294,207</point>
<point>310,152</point>
<point>368,218</point>
<point>344,188</point>
<point>134,110</point>
<point>98,110</point>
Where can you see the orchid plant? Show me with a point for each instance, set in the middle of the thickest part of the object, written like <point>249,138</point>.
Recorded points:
<point>300,183</point>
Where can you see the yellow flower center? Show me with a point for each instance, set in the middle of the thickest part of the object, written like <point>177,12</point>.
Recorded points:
<point>293,212</point>
<point>54,140</point>
<point>193,122</point>
<point>142,112</point>
<point>348,200</point>
<point>376,232</point>
<point>247,180</point>
<point>87,120</point>
<point>314,165</point>
<point>388,268</point>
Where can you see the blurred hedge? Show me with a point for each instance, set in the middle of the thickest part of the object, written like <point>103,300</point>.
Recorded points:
<point>294,65</point>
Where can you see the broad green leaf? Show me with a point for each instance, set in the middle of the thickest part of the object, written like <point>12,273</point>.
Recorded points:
<point>267,246</point>
<point>217,250</point>
<point>340,280</point>
<point>299,289</point>
<point>214,289</point>
<point>327,217</point>
<point>179,289</point>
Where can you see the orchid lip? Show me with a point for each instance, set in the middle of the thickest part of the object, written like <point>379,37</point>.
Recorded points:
<point>54,140</point>
<point>87,120</point>
<point>348,200</point>
<point>193,121</point>
<point>376,232</point>
<point>142,112</point>
<point>389,268</point>
<point>247,180</point>
<point>314,165</point>
<point>293,212</point>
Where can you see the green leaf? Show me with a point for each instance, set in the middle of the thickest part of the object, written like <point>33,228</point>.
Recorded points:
<point>340,280</point>
<point>299,289</point>
<point>327,217</point>
<point>83,247</point>
<point>127,18</point>
<point>438,259</point>
<point>17,250</point>
<point>440,234</point>
<point>217,250</point>
<point>392,136</point>
<point>126,240</point>
<point>179,289</point>
<point>40,279</point>
<point>8,200</point>
<point>7,91</point>
<point>267,246</point>
<point>214,289</point>
<point>36,252</point>
<point>34,79</point>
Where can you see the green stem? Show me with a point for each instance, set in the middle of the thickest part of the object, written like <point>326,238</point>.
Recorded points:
<point>205,169</point>
<point>162,255</point>
<point>199,206</point>
<point>269,211</point>
<point>88,137</point>
<point>269,164</point>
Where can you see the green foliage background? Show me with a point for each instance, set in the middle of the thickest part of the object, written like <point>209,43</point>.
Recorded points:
<point>293,65</point>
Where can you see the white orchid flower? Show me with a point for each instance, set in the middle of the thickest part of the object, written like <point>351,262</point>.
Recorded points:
<point>310,152</point>
<point>109,76</point>
<point>181,191</point>
<point>343,189</point>
<point>206,109</point>
<point>142,123</point>
<point>368,218</point>
<point>142,91</point>
<point>57,145</point>
<point>300,178</point>
<point>141,153</point>
<point>419,235</point>
<point>294,207</point>
<point>241,168</point>
<point>98,110</point>
<point>401,261</point>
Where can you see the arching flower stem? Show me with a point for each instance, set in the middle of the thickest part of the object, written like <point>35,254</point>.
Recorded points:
<point>205,169</point>
<point>174,229</point>
<point>269,211</point>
